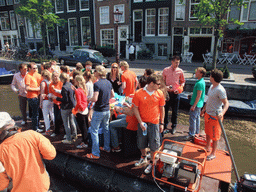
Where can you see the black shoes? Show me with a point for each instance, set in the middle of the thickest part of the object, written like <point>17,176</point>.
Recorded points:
<point>189,138</point>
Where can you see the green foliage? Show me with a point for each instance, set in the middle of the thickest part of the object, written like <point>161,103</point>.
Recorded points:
<point>144,54</point>
<point>106,51</point>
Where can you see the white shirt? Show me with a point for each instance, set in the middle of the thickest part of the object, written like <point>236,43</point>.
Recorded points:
<point>131,49</point>
<point>18,84</point>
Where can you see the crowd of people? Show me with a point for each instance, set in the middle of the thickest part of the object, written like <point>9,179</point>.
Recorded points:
<point>80,99</point>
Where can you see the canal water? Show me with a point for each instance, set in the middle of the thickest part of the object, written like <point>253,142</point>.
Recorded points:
<point>244,153</point>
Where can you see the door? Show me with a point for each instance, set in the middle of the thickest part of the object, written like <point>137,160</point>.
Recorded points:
<point>177,45</point>
<point>138,31</point>
<point>62,36</point>
<point>122,49</point>
<point>198,46</point>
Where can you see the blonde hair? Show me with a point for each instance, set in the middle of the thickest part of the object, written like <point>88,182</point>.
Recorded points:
<point>101,71</point>
<point>81,83</point>
<point>125,64</point>
<point>47,74</point>
<point>64,77</point>
<point>117,71</point>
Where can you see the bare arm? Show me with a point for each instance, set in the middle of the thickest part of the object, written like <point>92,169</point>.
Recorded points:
<point>162,113</point>
<point>112,93</point>
<point>225,108</point>
<point>95,97</point>
<point>137,115</point>
<point>28,88</point>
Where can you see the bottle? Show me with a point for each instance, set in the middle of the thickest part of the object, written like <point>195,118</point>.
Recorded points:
<point>145,132</point>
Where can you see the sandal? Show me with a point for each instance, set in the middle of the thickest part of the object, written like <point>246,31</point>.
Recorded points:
<point>91,156</point>
<point>210,157</point>
<point>102,149</point>
<point>201,150</point>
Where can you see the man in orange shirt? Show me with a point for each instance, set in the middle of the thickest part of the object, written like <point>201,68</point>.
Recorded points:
<point>21,158</point>
<point>149,109</point>
<point>32,86</point>
<point>129,79</point>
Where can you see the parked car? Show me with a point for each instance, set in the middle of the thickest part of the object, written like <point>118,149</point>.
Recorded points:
<point>83,55</point>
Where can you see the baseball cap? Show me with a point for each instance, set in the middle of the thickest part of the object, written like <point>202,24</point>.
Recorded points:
<point>5,119</point>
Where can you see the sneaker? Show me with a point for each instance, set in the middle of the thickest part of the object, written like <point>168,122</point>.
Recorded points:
<point>53,135</point>
<point>39,130</point>
<point>65,137</point>
<point>82,145</point>
<point>66,141</point>
<point>23,122</point>
<point>141,162</point>
<point>148,169</point>
<point>166,131</point>
<point>116,150</point>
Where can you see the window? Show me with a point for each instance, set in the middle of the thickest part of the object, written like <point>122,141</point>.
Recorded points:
<point>179,11</point>
<point>16,1</point>
<point>107,38</point>
<point>30,33</point>
<point>193,11</point>
<point>15,40</point>
<point>234,13</point>
<point>228,46</point>
<point>9,2</point>
<point>86,31</point>
<point>252,14</point>
<point>5,25</point>
<point>120,9</point>
<point>206,30</point>
<point>2,2</point>
<point>84,4</point>
<point>163,19</point>
<point>136,1</point>
<point>38,31</point>
<point>178,31</point>
<point>104,15</point>
<point>7,38</point>
<point>137,15</point>
<point>71,5</point>
<point>150,22</point>
<point>59,6</point>
<point>162,49</point>
<point>12,19</point>
<point>244,14</point>
<point>203,31</point>
<point>73,34</point>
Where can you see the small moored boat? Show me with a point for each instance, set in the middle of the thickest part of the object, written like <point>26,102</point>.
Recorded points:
<point>6,76</point>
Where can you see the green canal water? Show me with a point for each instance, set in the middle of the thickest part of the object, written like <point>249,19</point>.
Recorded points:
<point>244,153</point>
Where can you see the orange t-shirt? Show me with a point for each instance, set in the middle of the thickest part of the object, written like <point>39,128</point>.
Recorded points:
<point>33,80</point>
<point>132,122</point>
<point>56,86</point>
<point>129,77</point>
<point>21,156</point>
<point>149,105</point>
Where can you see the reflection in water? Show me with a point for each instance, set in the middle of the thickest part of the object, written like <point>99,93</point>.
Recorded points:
<point>243,151</point>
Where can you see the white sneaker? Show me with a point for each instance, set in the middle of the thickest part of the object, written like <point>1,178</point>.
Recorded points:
<point>65,137</point>
<point>141,162</point>
<point>148,169</point>
<point>39,130</point>
<point>23,122</point>
<point>66,141</point>
<point>53,135</point>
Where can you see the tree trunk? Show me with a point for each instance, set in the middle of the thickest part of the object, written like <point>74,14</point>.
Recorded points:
<point>43,30</point>
<point>215,51</point>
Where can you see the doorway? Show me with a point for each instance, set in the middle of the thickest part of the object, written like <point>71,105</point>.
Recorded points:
<point>199,46</point>
<point>122,49</point>
<point>138,31</point>
<point>62,36</point>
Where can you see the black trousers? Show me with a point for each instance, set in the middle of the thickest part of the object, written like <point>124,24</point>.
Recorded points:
<point>82,122</point>
<point>173,102</point>
<point>58,119</point>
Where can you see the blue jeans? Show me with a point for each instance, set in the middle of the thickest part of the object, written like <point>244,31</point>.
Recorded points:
<point>113,128</point>
<point>34,105</point>
<point>194,121</point>
<point>69,123</point>
<point>100,118</point>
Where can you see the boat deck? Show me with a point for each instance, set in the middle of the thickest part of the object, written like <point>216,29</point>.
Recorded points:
<point>217,172</point>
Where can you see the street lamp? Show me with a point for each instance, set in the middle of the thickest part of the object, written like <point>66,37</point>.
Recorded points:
<point>117,18</point>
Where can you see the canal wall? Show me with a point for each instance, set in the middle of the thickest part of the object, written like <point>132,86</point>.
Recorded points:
<point>235,91</point>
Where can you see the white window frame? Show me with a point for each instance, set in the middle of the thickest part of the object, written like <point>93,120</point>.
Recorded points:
<point>249,11</point>
<point>242,12</point>
<point>159,21</point>
<point>122,20</point>
<point>69,32</point>
<point>38,31</point>
<point>73,10</point>
<point>56,6</point>
<point>137,1</point>
<point>9,3</point>
<point>80,5</point>
<point>146,25</point>
<point>104,19</point>
<point>101,40</point>
<point>182,7</point>
<point>6,18</point>
<point>81,22</point>
<point>12,20</point>
<point>165,49</point>
<point>2,2</point>
<point>29,29</point>
<point>191,18</point>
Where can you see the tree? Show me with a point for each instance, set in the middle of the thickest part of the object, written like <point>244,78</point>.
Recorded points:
<point>214,13</point>
<point>39,12</point>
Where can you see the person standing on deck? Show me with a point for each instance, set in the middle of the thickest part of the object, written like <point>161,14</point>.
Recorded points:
<point>18,86</point>
<point>175,81</point>
<point>149,108</point>
<point>216,98</point>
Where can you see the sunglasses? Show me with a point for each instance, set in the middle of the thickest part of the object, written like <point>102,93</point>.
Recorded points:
<point>114,67</point>
<point>35,68</point>
<point>158,83</point>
